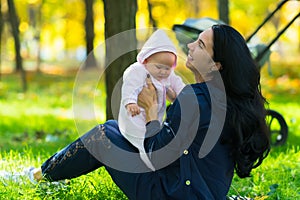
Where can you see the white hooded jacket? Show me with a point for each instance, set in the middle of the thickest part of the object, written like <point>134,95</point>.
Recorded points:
<point>133,128</point>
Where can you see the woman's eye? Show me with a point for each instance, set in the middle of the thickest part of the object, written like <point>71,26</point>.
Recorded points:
<point>200,44</point>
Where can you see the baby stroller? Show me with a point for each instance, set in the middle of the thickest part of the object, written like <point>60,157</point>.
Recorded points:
<point>189,31</point>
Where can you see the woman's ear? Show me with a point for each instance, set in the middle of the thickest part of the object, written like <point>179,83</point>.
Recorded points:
<point>218,66</point>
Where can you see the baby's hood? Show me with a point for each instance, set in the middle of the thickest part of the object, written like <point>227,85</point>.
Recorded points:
<point>158,42</point>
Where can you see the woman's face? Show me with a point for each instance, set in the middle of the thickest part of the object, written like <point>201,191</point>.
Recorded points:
<point>200,53</point>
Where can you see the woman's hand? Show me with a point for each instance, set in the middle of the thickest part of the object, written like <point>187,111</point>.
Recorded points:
<point>171,94</point>
<point>147,99</point>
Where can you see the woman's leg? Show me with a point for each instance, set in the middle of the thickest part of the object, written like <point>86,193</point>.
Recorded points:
<point>72,161</point>
<point>102,145</point>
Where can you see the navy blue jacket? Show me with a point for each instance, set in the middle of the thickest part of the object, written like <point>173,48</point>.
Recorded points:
<point>174,150</point>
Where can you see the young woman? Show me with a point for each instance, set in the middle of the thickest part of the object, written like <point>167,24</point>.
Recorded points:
<point>214,127</point>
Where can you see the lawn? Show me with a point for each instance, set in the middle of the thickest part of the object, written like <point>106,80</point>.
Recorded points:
<point>36,124</point>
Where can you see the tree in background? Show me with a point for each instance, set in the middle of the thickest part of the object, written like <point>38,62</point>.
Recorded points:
<point>14,21</point>
<point>193,8</point>
<point>89,33</point>
<point>1,21</point>
<point>119,16</point>
<point>152,21</point>
<point>35,16</point>
<point>223,8</point>
<point>1,28</point>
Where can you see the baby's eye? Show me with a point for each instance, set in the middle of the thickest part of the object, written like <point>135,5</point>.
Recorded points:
<point>164,67</point>
<point>158,67</point>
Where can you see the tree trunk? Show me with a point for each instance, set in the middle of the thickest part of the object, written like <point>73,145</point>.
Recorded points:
<point>38,35</point>
<point>151,19</point>
<point>1,21</point>
<point>1,28</point>
<point>223,7</point>
<point>119,17</point>
<point>89,34</point>
<point>14,21</point>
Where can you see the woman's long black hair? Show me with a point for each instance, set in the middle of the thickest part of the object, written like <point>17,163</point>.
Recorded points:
<point>245,103</point>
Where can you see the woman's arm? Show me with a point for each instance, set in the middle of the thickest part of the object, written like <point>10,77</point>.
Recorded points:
<point>165,142</point>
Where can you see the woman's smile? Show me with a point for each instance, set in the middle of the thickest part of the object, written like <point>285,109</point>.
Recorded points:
<point>190,58</point>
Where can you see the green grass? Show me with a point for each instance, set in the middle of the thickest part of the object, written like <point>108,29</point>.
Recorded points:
<point>96,185</point>
<point>36,124</point>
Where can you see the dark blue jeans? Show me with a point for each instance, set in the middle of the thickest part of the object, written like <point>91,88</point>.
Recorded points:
<point>79,158</point>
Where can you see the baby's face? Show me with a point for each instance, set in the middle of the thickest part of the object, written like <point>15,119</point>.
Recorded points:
<point>160,64</point>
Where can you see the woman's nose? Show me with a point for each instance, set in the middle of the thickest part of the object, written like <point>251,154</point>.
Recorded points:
<point>190,45</point>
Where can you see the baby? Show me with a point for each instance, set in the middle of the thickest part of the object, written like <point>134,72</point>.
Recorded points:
<point>156,59</point>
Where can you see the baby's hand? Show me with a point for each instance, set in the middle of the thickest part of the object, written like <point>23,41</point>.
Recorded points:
<point>171,94</point>
<point>133,109</point>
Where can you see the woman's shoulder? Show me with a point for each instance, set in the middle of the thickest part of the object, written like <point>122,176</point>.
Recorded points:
<point>203,93</point>
<point>193,94</point>
<point>211,90</point>
<point>195,88</point>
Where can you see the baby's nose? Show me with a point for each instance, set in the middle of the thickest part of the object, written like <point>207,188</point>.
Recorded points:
<point>163,72</point>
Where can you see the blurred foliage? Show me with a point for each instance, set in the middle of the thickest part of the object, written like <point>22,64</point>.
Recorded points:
<point>57,27</point>
<point>283,85</point>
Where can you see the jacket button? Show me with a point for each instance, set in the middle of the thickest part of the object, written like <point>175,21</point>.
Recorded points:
<point>188,182</point>
<point>185,152</point>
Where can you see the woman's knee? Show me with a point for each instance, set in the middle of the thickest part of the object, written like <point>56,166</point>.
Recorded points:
<point>112,123</point>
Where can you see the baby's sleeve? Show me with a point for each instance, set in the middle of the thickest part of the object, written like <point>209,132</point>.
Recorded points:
<point>176,83</point>
<point>133,82</point>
